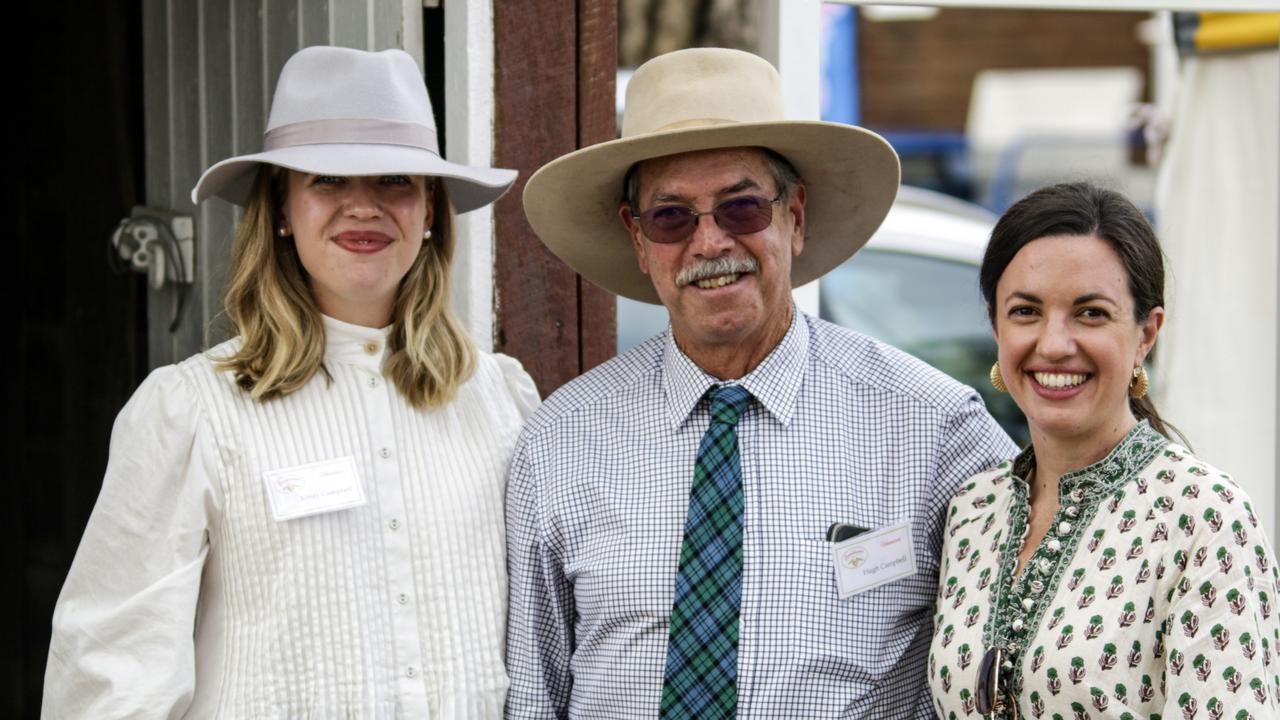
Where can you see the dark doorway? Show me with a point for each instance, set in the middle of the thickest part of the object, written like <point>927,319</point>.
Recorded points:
<point>80,344</point>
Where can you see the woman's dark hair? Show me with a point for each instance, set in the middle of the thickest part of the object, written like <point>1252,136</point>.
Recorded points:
<point>1080,208</point>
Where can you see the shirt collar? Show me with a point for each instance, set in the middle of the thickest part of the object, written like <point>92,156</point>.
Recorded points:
<point>1129,457</point>
<point>355,344</point>
<point>774,383</point>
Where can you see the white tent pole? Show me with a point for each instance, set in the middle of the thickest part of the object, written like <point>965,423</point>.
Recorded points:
<point>790,39</point>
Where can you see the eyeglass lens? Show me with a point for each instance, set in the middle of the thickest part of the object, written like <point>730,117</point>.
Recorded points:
<point>674,223</point>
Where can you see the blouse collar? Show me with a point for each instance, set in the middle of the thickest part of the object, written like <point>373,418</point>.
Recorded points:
<point>355,344</point>
<point>1134,452</point>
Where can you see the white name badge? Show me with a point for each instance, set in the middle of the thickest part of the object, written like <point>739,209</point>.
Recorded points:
<point>315,488</point>
<point>873,559</point>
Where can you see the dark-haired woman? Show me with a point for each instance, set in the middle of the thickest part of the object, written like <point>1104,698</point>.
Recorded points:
<point>1105,572</point>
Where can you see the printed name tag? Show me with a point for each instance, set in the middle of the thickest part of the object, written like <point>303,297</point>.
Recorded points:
<point>315,488</point>
<point>873,559</point>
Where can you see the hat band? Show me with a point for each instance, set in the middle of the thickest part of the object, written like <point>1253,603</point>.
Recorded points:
<point>351,130</point>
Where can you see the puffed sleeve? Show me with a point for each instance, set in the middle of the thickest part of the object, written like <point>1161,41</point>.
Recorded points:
<point>1222,633</point>
<point>540,624</point>
<point>519,384</point>
<point>122,643</point>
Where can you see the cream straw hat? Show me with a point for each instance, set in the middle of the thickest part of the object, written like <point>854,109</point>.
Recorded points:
<point>697,100</point>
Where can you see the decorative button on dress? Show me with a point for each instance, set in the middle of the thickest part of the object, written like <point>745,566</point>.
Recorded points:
<point>1152,595</point>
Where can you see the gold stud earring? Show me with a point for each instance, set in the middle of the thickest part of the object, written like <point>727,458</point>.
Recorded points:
<point>1138,385</point>
<point>997,380</point>
<point>282,231</point>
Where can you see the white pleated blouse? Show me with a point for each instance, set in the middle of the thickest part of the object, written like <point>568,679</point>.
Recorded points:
<point>188,599</point>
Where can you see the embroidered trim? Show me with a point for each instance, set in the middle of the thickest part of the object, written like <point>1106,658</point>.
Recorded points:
<point>1080,494</point>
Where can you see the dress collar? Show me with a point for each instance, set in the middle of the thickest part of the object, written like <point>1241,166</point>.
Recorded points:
<point>775,382</point>
<point>355,344</point>
<point>1133,453</point>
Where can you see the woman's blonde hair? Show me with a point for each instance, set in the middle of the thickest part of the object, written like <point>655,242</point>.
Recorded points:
<point>271,308</point>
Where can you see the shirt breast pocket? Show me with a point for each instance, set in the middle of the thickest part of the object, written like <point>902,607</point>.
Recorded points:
<point>858,633</point>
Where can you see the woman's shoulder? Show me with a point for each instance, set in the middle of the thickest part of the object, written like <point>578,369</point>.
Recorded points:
<point>216,354</point>
<point>992,480</point>
<point>504,376</point>
<point>977,496</point>
<point>188,387</point>
<point>183,378</point>
<point>1175,460</point>
<point>164,383</point>
<point>204,369</point>
<point>167,402</point>
<point>1193,492</point>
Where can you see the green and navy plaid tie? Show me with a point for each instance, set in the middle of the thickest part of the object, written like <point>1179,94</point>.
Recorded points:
<point>701,676</point>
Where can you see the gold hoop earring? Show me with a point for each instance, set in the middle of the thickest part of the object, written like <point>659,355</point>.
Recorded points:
<point>997,380</point>
<point>1138,385</point>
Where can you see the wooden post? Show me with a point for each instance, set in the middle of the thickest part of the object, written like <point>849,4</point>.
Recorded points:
<point>597,122</point>
<point>555,63</point>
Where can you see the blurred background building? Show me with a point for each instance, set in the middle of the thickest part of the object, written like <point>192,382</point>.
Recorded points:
<point>1178,110</point>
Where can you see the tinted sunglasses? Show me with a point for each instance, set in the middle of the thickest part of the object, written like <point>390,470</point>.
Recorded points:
<point>991,699</point>
<point>741,215</point>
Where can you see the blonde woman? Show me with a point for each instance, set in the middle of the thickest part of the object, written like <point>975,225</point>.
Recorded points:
<point>306,521</point>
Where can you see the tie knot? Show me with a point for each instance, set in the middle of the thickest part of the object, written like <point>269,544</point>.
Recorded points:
<point>727,403</point>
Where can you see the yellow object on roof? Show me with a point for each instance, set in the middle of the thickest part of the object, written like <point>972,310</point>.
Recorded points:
<point>1237,31</point>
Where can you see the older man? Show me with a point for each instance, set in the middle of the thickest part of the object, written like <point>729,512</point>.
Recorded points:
<point>669,512</point>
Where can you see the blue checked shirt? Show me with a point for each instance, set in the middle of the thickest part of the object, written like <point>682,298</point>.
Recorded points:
<point>842,429</point>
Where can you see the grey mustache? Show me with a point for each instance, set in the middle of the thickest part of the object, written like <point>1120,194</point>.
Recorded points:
<point>711,268</point>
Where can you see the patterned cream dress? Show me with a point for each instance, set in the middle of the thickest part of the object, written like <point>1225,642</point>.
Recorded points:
<point>1152,596</point>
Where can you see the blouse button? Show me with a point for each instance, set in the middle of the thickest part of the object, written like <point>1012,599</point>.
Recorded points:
<point>394,524</point>
<point>371,348</point>
<point>410,672</point>
<point>373,382</point>
<point>1064,528</point>
<point>403,599</point>
<point>385,453</point>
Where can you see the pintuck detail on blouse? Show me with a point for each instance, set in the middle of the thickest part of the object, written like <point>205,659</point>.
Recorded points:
<point>188,598</point>
<point>1151,596</point>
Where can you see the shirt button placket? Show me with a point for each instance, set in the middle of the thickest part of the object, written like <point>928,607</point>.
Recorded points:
<point>403,608</point>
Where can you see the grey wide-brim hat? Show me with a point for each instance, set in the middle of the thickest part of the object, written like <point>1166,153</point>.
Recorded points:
<point>702,99</point>
<point>339,111</point>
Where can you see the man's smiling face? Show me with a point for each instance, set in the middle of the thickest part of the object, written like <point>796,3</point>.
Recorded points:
<point>721,289</point>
